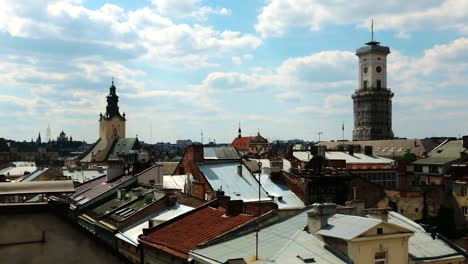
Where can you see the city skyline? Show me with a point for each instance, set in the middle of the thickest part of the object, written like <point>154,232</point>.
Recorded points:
<point>287,69</point>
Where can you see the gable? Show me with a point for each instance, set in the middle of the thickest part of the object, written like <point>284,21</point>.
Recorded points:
<point>387,229</point>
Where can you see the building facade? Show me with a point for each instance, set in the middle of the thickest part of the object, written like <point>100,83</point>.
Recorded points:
<point>373,100</point>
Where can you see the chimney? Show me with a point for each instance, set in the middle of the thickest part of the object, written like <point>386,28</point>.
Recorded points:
<point>378,213</point>
<point>368,150</point>
<point>358,207</point>
<point>465,141</point>
<point>318,216</point>
<point>351,150</point>
<point>195,153</point>
<point>239,170</point>
<point>149,197</point>
<point>136,192</point>
<point>234,207</point>
<point>172,200</point>
<point>121,194</point>
<point>314,150</point>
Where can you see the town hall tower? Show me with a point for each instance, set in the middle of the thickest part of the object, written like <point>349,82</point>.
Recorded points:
<point>372,100</point>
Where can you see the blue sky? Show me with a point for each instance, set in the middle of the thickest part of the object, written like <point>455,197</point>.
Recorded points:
<point>284,67</point>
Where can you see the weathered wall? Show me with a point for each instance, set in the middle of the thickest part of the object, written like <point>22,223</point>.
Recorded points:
<point>64,242</point>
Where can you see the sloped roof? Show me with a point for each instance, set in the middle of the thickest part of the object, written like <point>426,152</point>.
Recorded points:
<point>447,152</point>
<point>241,143</point>
<point>421,244</point>
<point>220,153</point>
<point>195,228</point>
<point>123,146</point>
<point>100,145</point>
<point>357,158</point>
<point>282,195</point>
<point>281,242</point>
<point>168,168</point>
<point>131,233</point>
<point>347,227</point>
<point>33,176</point>
<point>390,147</point>
<point>224,176</point>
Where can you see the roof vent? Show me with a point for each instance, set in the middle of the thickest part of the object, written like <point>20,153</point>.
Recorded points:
<point>239,170</point>
<point>306,259</point>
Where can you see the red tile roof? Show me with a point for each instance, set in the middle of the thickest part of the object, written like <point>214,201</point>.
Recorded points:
<point>185,234</point>
<point>242,143</point>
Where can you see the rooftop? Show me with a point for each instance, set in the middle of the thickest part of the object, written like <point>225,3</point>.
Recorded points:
<point>282,242</point>
<point>130,234</point>
<point>81,176</point>
<point>347,227</point>
<point>220,153</point>
<point>224,176</point>
<point>282,196</point>
<point>241,143</point>
<point>356,158</point>
<point>198,226</point>
<point>421,244</point>
<point>447,152</point>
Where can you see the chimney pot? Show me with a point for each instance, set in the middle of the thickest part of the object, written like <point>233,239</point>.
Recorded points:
<point>239,170</point>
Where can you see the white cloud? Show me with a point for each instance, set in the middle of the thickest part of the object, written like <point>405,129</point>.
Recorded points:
<point>187,8</point>
<point>278,16</point>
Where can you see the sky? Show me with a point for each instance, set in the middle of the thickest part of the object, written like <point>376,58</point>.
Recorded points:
<point>285,68</point>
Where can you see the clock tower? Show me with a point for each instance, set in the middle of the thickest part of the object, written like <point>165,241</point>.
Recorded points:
<point>112,123</point>
<point>372,100</point>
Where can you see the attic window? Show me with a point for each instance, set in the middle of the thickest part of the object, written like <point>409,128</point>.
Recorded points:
<point>440,150</point>
<point>379,231</point>
<point>306,259</point>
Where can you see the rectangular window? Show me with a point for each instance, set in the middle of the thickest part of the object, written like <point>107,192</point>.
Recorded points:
<point>463,191</point>
<point>417,168</point>
<point>379,84</point>
<point>433,169</point>
<point>465,210</point>
<point>365,85</point>
<point>380,258</point>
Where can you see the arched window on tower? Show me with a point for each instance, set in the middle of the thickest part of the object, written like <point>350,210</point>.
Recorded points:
<point>379,84</point>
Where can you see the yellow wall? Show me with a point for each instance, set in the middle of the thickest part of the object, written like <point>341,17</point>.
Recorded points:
<point>364,251</point>
<point>412,206</point>
<point>106,128</point>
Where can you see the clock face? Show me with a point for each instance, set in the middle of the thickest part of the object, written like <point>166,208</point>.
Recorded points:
<point>378,69</point>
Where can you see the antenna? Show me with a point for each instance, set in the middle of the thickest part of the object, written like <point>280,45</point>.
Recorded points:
<point>319,133</point>
<point>372,29</point>
<point>201,134</point>
<point>48,133</point>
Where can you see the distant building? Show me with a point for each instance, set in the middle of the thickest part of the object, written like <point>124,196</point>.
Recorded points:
<point>373,100</point>
<point>250,145</point>
<point>112,143</point>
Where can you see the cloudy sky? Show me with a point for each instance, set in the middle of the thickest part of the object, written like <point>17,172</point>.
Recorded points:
<point>284,67</point>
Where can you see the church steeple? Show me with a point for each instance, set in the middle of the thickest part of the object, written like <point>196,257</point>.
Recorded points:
<point>239,132</point>
<point>112,108</point>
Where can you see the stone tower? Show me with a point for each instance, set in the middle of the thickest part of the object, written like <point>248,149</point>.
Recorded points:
<point>112,123</point>
<point>373,100</point>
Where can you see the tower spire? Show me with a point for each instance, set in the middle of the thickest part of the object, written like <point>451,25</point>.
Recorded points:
<point>372,30</point>
<point>239,132</point>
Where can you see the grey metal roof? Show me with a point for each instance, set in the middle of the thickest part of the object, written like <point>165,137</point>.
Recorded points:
<point>421,244</point>
<point>12,188</point>
<point>100,145</point>
<point>221,153</point>
<point>347,227</point>
<point>278,243</point>
<point>33,175</point>
<point>450,151</point>
<point>357,158</point>
<point>282,196</point>
<point>123,146</point>
<point>81,176</point>
<point>223,176</point>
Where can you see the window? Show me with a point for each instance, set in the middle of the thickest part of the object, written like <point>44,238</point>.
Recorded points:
<point>365,85</point>
<point>416,209</point>
<point>433,169</point>
<point>380,258</point>
<point>462,191</point>
<point>401,210</point>
<point>152,182</point>
<point>379,231</point>
<point>417,168</point>
<point>465,210</point>
<point>379,84</point>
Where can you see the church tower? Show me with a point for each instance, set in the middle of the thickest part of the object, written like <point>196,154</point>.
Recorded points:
<point>112,123</point>
<point>373,100</point>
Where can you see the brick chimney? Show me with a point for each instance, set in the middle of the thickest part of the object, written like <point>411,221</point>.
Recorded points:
<point>368,150</point>
<point>195,153</point>
<point>465,141</point>
<point>319,215</point>
<point>358,207</point>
